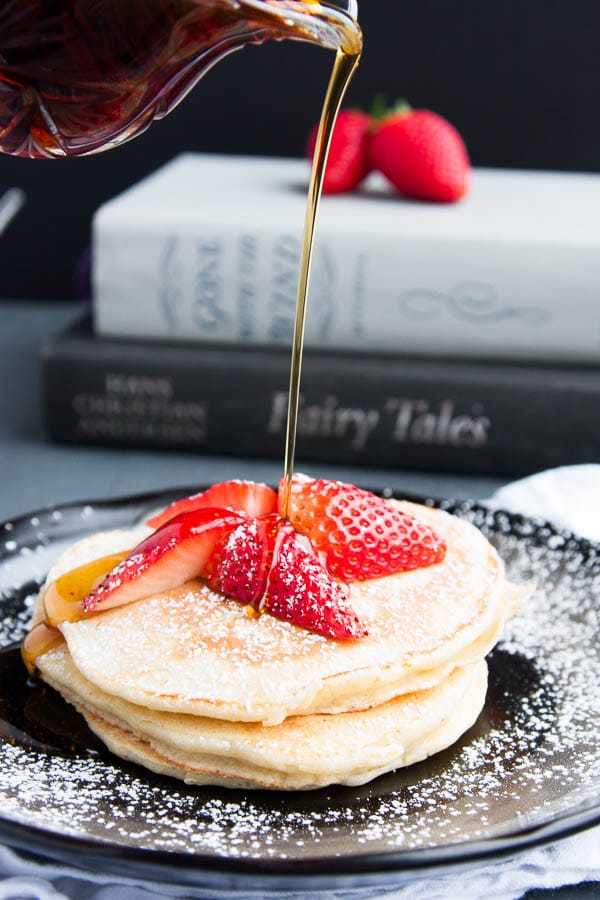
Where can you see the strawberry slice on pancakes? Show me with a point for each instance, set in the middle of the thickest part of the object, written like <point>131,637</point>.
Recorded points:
<point>358,534</point>
<point>251,497</point>
<point>175,553</point>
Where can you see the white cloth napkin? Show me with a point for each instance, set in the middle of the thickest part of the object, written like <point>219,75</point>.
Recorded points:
<point>569,497</point>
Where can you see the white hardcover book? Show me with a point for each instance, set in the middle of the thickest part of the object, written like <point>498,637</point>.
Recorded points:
<point>208,248</point>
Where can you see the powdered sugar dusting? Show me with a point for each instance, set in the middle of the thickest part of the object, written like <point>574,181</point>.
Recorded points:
<point>534,754</point>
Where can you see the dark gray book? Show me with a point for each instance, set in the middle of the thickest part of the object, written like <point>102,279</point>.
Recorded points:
<point>377,410</point>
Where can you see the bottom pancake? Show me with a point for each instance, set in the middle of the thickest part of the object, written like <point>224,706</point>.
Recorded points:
<point>302,752</point>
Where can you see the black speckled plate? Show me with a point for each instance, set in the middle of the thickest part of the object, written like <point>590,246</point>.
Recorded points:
<point>527,772</point>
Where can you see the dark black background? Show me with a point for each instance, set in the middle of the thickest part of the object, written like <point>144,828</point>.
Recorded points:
<point>519,78</point>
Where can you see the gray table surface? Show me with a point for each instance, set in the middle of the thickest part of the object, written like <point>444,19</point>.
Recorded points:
<point>35,473</point>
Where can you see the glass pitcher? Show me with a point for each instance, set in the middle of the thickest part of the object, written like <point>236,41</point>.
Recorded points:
<point>80,76</point>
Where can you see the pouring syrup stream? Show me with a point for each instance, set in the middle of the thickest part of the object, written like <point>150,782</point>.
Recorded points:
<point>346,62</point>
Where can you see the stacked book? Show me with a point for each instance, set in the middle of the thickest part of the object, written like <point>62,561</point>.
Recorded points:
<point>458,337</point>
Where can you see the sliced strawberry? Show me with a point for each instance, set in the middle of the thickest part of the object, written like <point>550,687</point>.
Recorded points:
<point>240,562</point>
<point>254,498</point>
<point>360,535</point>
<point>174,554</point>
<point>264,563</point>
<point>301,591</point>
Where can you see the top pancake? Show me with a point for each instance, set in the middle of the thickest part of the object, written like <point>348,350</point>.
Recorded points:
<point>194,651</point>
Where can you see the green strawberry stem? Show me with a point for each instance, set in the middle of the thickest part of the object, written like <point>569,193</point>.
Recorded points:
<point>380,109</point>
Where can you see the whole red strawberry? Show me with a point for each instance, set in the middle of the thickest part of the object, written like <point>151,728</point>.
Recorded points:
<point>421,154</point>
<point>347,163</point>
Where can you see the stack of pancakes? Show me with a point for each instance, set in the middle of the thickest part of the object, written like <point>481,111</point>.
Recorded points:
<point>189,684</point>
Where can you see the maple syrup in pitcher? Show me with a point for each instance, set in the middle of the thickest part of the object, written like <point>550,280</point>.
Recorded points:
<point>81,76</point>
